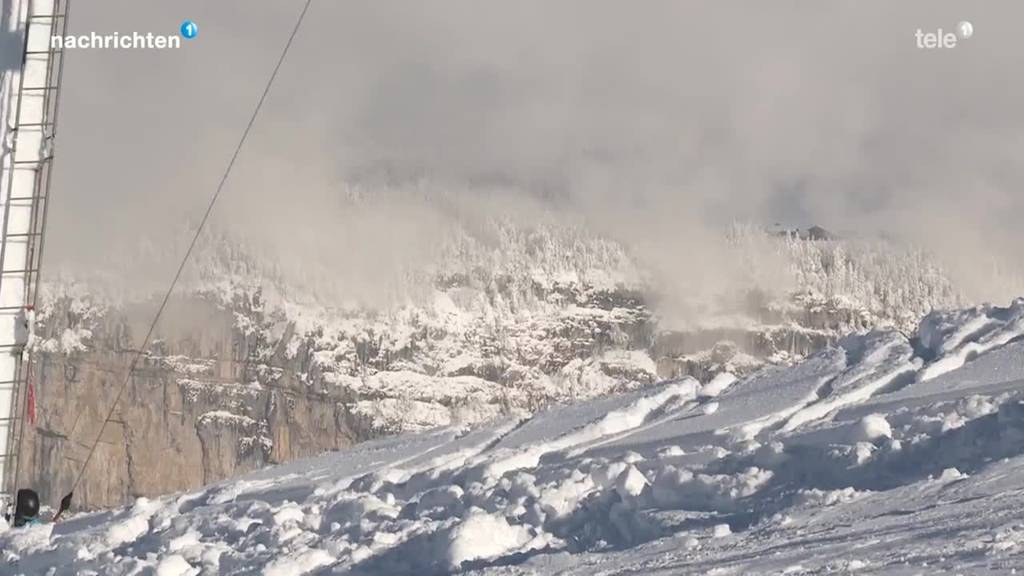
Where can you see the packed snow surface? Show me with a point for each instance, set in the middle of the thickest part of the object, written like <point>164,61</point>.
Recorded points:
<point>881,454</point>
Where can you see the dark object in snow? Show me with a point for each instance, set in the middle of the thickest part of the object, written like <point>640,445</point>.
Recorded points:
<point>812,233</point>
<point>819,233</point>
<point>65,504</point>
<point>26,509</point>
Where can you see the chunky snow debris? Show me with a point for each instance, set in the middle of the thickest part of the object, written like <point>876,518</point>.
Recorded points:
<point>871,427</point>
<point>873,456</point>
<point>485,536</point>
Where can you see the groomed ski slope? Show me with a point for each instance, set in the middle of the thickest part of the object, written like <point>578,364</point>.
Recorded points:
<point>879,455</point>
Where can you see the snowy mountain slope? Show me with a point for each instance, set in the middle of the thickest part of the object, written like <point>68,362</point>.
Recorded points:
<point>536,315</point>
<point>878,455</point>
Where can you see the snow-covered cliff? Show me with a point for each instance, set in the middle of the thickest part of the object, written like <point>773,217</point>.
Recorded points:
<point>248,371</point>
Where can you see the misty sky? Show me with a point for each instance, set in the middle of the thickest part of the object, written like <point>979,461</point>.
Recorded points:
<point>656,122</point>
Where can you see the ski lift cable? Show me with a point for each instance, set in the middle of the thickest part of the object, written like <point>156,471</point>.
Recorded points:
<point>66,501</point>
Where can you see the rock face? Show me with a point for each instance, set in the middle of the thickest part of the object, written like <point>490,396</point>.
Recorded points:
<point>232,382</point>
<point>202,405</point>
<point>224,389</point>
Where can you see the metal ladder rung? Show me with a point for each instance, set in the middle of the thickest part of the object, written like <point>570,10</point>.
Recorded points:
<point>33,162</point>
<point>41,52</point>
<point>33,125</point>
<point>24,235</point>
<point>23,198</point>
<point>25,271</point>
<point>46,16</point>
<point>38,88</point>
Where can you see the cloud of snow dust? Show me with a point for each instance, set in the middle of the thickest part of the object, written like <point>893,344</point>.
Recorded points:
<point>656,123</point>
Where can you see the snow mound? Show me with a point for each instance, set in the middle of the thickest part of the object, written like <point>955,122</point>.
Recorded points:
<point>871,427</point>
<point>484,536</point>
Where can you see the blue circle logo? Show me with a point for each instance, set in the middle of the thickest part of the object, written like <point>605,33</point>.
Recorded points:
<point>189,29</point>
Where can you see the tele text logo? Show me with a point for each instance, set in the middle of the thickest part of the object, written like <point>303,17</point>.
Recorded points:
<point>940,38</point>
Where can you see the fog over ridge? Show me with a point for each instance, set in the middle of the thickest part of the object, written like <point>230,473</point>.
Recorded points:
<point>656,124</point>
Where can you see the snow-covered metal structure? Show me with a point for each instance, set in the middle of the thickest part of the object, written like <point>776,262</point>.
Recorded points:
<point>29,97</point>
